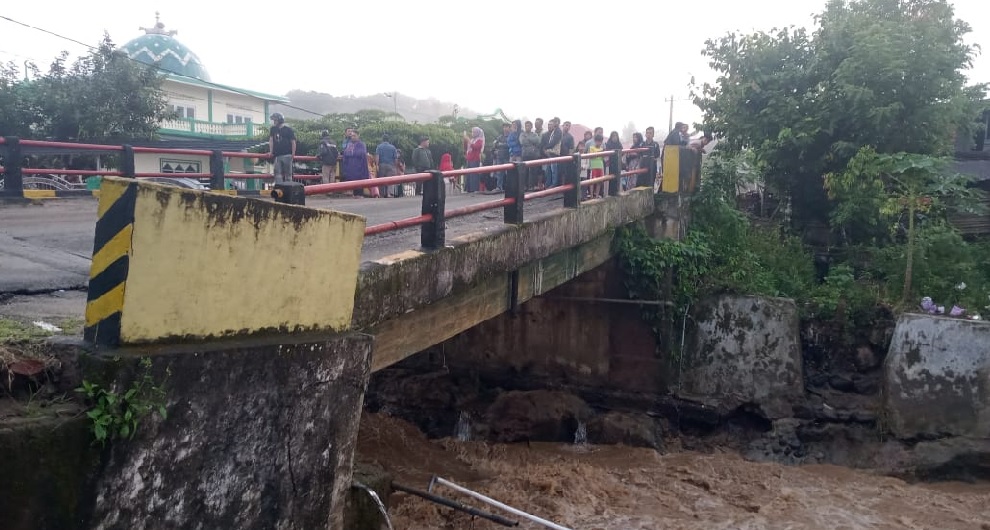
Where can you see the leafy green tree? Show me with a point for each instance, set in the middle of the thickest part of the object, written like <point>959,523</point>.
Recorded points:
<point>18,113</point>
<point>877,187</point>
<point>887,73</point>
<point>102,96</point>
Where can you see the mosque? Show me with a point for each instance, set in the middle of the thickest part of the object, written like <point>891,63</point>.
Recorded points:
<point>208,115</point>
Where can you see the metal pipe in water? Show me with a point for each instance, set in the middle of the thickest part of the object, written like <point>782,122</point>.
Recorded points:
<point>455,505</point>
<point>495,503</point>
<point>377,499</point>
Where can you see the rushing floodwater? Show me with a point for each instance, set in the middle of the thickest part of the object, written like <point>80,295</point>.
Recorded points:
<point>588,487</point>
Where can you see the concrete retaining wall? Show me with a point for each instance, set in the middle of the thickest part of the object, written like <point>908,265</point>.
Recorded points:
<point>937,377</point>
<point>256,437</point>
<point>745,350</point>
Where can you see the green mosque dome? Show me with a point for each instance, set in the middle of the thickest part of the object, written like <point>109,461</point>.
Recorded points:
<point>160,47</point>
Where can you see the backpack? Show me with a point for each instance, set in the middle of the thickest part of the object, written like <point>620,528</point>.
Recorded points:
<point>328,154</point>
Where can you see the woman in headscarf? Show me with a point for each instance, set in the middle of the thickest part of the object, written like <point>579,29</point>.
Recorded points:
<point>632,161</point>
<point>475,146</point>
<point>354,165</point>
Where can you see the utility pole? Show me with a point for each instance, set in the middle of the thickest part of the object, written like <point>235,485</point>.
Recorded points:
<point>670,120</point>
<point>395,101</point>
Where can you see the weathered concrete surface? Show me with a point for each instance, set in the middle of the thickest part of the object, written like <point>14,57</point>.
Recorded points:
<point>256,438</point>
<point>191,255</point>
<point>47,460</point>
<point>415,300</point>
<point>398,284</point>
<point>937,377</point>
<point>566,336</point>
<point>745,350</point>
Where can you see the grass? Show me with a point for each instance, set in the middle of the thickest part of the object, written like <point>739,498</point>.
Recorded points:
<point>13,331</point>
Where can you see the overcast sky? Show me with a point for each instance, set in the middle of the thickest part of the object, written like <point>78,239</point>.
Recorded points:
<point>597,66</point>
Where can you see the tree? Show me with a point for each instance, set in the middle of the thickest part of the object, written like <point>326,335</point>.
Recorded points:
<point>103,96</point>
<point>17,111</point>
<point>877,186</point>
<point>887,73</point>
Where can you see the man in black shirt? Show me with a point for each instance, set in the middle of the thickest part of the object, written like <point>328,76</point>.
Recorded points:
<point>566,148</point>
<point>282,146</point>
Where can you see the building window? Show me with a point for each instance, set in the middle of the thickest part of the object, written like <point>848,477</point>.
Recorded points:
<point>235,118</point>
<point>171,165</point>
<point>184,112</point>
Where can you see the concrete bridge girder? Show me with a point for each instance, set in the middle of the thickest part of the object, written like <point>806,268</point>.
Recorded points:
<point>415,300</point>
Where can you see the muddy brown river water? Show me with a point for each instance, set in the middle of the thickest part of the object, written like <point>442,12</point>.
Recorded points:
<point>614,487</point>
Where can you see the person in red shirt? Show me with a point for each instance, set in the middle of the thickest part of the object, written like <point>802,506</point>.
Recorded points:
<point>475,146</point>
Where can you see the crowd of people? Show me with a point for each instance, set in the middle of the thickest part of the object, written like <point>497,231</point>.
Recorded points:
<point>518,142</point>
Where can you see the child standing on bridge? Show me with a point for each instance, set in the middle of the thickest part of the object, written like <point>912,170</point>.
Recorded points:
<point>597,165</point>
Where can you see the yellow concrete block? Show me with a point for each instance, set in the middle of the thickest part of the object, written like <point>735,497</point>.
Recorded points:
<point>671,169</point>
<point>206,265</point>
<point>39,194</point>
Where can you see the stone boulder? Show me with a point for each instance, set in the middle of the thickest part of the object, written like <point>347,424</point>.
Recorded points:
<point>745,350</point>
<point>540,415</point>
<point>937,378</point>
<point>636,430</point>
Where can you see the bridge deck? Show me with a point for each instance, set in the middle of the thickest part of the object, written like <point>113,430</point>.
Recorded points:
<point>46,248</point>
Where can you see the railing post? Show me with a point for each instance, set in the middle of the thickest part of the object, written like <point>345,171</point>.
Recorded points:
<point>127,168</point>
<point>216,170</point>
<point>649,162</point>
<point>615,168</point>
<point>515,188</point>
<point>433,233</point>
<point>572,197</point>
<point>13,179</point>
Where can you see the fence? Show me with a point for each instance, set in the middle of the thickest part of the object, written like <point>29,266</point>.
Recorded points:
<point>13,149</point>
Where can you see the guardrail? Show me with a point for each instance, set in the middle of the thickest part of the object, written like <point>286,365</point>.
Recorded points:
<point>434,213</point>
<point>13,172</point>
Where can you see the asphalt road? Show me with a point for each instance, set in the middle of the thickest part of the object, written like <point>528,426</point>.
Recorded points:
<point>47,246</point>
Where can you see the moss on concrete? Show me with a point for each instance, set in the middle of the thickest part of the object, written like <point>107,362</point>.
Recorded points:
<point>360,511</point>
<point>47,465</point>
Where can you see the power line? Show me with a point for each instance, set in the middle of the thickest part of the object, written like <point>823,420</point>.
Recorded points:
<point>157,67</point>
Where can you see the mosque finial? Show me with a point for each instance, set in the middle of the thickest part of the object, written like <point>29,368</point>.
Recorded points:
<point>158,28</point>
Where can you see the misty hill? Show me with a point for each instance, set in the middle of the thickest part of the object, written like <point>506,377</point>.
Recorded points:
<point>411,109</point>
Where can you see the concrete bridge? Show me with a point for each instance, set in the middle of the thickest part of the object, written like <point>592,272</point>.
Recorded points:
<point>266,326</point>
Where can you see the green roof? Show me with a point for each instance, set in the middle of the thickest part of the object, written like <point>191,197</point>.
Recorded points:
<point>167,53</point>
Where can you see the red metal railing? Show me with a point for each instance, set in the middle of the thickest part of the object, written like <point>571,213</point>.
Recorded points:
<point>433,182</point>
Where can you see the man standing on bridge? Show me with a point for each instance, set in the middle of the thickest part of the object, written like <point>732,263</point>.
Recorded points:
<point>282,146</point>
<point>422,160</point>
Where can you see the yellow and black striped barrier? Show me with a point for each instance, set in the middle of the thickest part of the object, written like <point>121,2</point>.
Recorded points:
<point>170,264</point>
<point>111,261</point>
